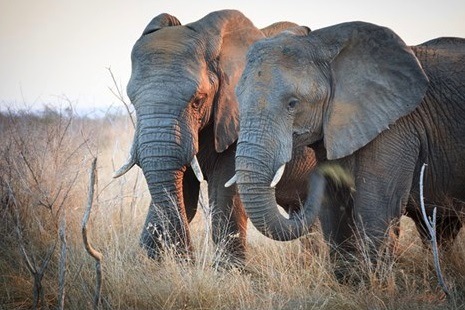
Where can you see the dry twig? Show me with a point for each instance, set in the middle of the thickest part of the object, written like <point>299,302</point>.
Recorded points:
<point>119,94</point>
<point>92,252</point>
<point>37,273</point>
<point>62,268</point>
<point>431,226</point>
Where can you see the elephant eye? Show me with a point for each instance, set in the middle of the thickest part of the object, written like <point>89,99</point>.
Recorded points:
<point>292,104</point>
<point>199,100</point>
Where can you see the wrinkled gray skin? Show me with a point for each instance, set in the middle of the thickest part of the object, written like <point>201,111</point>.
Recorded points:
<point>182,88</point>
<point>368,104</point>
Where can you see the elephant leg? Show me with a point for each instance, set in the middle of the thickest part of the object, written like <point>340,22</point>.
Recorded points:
<point>229,224</point>
<point>229,221</point>
<point>191,187</point>
<point>337,224</point>
<point>378,226</point>
<point>384,172</point>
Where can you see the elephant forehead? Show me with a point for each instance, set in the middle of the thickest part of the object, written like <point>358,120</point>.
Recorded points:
<point>275,78</point>
<point>171,44</point>
<point>277,66</point>
<point>169,61</point>
<point>279,49</point>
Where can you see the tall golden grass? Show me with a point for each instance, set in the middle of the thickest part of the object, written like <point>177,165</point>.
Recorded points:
<point>44,171</point>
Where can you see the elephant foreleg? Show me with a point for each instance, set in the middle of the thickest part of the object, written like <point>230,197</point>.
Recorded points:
<point>337,224</point>
<point>229,221</point>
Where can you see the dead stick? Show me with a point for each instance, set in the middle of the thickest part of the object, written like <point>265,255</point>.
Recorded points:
<point>119,94</point>
<point>94,253</point>
<point>62,271</point>
<point>431,226</point>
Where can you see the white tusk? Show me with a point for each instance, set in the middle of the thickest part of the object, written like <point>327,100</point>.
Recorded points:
<point>231,181</point>
<point>278,176</point>
<point>129,163</point>
<point>196,167</point>
<point>125,168</point>
<point>132,160</point>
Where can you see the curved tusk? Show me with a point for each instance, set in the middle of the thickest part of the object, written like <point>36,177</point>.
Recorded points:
<point>278,176</point>
<point>196,167</point>
<point>131,161</point>
<point>128,165</point>
<point>125,168</point>
<point>231,181</point>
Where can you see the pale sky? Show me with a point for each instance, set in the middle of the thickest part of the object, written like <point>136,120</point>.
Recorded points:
<point>55,49</point>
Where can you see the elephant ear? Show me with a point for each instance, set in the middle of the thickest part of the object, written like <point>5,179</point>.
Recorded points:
<point>160,21</point>
<point>376,79</point>
<point>228,35</point>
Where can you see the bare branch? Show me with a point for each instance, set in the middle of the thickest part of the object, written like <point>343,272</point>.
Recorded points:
<point>28,165</point>
<point>30,266</point>
<point>40,274</point>
<point>37,274</point>
<point>92,252</point>
<point>62,269</point>
<point>65,130</point>
<point>431,226</point>
<point>119,94</point>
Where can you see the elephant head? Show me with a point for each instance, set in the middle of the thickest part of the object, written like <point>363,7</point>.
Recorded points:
<point>340,86</point>
<point>182,82</point>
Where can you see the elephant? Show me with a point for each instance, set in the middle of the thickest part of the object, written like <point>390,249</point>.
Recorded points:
<point>373,109</point>
<point>182,88</point>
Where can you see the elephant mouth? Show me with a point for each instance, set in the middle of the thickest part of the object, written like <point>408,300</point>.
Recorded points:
<point>305,138</point>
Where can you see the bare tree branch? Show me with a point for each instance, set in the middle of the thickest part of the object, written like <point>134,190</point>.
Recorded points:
<point>92,252</point>
<point>431,226</point>
<point>30,266</point>
<point>119,94</point>
<point>37,274</point>
<point>62,268</point>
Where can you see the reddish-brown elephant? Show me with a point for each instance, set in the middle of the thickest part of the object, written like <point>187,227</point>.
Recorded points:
<point>182,88</point>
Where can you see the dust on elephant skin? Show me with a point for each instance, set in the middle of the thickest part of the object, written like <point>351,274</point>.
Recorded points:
<point>368,104</point>
<point>182,88</point>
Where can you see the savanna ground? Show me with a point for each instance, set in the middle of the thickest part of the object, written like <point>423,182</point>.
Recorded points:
<point>44,184</point>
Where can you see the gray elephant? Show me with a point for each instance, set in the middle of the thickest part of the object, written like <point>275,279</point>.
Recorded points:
<point>182,88</point>
<point>369,105</point>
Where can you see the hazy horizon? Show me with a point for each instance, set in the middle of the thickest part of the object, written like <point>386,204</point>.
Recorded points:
<point>52,52</point>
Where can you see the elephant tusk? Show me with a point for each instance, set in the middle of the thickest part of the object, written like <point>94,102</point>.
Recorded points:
<point>131,161</point>
<point>196,167</point>
<point>125,168</point>
<point>231,181</point>
<point>128,165</point>
<point>278,176</point>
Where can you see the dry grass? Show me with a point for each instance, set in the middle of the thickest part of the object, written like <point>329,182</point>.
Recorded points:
<point>44,165</point>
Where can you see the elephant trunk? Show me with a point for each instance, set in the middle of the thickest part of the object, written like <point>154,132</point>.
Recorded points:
<point>257,159</point>
<point>165,148</point>
<point>166,222</point>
